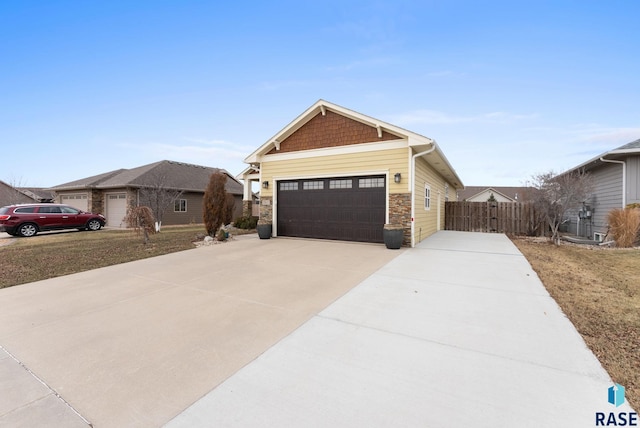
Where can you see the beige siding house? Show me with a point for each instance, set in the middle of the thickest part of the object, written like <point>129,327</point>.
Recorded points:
<point>334,173</point>
<point>500,194</point>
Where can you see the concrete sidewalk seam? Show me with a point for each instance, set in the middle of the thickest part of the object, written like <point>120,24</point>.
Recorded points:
<point>447,345</point>
<point>467,251</point>
<point>52,391</point>
<point>423,281</point>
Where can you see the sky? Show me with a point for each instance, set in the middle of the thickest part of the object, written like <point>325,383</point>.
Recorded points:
<point>508,89</point>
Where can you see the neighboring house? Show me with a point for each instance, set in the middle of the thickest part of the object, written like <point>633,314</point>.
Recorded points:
<point>113,192</point>
<point>500,194</point>
<point>10,195</point>
<point>334,173</point>
<point>616,178</point>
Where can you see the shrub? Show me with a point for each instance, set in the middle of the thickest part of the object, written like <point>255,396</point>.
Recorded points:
<point>624,225</point>
<point>214,204</point>
<point>141,220</point>
<point>246,222</point>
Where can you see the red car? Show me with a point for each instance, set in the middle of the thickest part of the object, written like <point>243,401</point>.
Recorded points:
<point>29,219</point>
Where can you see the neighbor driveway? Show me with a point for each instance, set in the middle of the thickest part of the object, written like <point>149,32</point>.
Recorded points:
<point>457,332</point>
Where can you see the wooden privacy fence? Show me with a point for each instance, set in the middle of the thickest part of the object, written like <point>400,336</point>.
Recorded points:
<point>513,218</point>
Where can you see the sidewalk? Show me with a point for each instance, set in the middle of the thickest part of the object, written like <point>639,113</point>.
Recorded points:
<point>458,332</point>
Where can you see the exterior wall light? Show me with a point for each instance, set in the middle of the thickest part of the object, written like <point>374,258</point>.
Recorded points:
<point>265,184</point>
<point>397,177</point>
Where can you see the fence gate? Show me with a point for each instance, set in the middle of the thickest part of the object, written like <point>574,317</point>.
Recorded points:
<point>513,218</point>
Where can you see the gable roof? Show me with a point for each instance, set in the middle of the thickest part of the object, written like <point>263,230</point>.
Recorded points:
<point>418,142</point>
<point>172,175</point>
<point>632,148</point>
<point>11,194</point>
<point>513,193</point>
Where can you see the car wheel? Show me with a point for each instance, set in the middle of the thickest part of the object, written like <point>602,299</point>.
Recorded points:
<point>27,230</point>
<point>94,225</point>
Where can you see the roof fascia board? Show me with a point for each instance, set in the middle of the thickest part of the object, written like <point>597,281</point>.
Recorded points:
<point>596,160</point>
<point>311,112</point>
<point>340,150</point>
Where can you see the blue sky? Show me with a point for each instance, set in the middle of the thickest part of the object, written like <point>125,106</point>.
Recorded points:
<point>508,89</point>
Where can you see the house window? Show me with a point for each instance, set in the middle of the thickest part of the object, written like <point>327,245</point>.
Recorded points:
<point>427,196</point>
<point>371,182</point>
<point>313,185</point>
<point>289,185</point>
<point>340,184</point>
<point>180,206</point>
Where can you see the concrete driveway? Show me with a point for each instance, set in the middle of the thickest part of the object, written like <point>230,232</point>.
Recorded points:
<point>136,344</point>
<point>457,332</point>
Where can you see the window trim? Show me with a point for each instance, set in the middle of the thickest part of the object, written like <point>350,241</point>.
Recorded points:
<point>427,197</point>
<point>178,204</point>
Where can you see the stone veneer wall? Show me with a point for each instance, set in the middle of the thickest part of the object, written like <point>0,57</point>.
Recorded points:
<point>266,208</point>
<point>246,208</point>
<point>400,213</point>
<point>96,202</point>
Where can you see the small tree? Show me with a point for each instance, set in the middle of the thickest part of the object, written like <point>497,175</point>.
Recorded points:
<point>141,219</point>
<point>157,195</point>
<point>214,204</point>
<point>553,195</point>
<point>230,203</point>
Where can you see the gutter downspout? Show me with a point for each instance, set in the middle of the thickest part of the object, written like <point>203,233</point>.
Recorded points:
<point>624,178</point>
<point>412,167</point>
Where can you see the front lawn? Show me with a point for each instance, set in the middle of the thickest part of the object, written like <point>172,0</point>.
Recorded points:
<point>599,290</point>
<point>50,255</point>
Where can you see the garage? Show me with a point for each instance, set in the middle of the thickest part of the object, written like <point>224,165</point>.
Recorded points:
<point>341,208</point>
<point>116,209</point>
<point>79,201</point>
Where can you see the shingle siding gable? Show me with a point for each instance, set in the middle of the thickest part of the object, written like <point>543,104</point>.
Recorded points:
<point>331,130</point>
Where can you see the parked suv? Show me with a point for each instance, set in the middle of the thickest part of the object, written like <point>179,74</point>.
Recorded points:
<point>29,219</point>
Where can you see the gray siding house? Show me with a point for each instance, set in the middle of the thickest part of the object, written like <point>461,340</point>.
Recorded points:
<point>616,178</point>
<point>111,193</point>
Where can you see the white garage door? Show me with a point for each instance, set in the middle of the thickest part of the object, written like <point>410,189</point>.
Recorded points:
<point>116,209</point>
<point>79,201</point>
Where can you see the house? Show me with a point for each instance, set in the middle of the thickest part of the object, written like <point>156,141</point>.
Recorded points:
<point>500,194</point>
<point>181,185</point>
<point>616,180</point>
<point>334,173</point>
<point>10,195</point>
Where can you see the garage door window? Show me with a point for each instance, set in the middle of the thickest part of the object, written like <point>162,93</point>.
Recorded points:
<point>370,182</point>
<point>313,185</point>
<point>340,184</point>
<point>291,185</point>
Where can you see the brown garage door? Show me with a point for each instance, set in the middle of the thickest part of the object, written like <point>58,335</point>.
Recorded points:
<point>347,209</point>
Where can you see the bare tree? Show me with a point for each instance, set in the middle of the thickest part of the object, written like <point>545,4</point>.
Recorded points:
<point>141,219</point>
<point>158,196</point>
<point>553,195</point>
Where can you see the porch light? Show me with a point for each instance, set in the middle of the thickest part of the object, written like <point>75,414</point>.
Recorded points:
<point>265,184</point>
<point>397,177</point>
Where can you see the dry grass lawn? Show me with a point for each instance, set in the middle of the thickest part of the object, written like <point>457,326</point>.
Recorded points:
<point>50,255</point>
<point>599,290</point>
